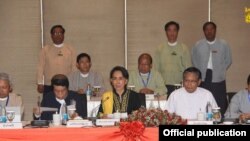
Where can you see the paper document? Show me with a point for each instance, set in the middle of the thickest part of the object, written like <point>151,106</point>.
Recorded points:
<point>48,109</point>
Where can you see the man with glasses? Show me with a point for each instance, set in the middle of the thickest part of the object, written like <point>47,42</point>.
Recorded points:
<point>56,58</point>
<point>189,100</point>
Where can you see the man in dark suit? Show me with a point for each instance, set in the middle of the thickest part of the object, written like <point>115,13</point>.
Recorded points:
<point>59,96</point>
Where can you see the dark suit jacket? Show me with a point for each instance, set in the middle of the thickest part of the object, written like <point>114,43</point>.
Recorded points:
<point>50,101</point>
<point>135,101</point>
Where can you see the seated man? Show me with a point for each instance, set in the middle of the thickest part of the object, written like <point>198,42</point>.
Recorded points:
<point>80,79</point>
<point>239,106</point>
<point>120,98</point>
<point>191,99</point>
<point>145,80</point>
<point>61,95</point>
<point>8,99</point>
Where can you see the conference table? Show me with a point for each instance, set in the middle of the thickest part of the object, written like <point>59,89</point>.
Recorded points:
<point>72,134</point>
<point>94,103</point>
<point>63,133</point>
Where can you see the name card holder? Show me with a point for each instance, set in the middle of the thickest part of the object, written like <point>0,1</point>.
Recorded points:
<point>106,122</point>
<point>11,125</point>
<point>199,122</point>
<point>149,96</point>
<point>79,123</point>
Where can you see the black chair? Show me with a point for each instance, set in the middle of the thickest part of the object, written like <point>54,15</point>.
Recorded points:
<point>142,98</point>
<point>230,96</point>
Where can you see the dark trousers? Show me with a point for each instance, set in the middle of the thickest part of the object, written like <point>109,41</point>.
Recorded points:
<point>218,90</point>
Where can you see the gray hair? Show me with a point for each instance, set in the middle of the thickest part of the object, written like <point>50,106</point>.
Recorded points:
<point>6,77</point>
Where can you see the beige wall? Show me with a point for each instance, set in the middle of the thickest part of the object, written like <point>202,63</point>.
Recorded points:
<point>97,27</point>
<point>20,43</point>
<point>230,18</point>
<point>92,26</point>
<point>146,23</point>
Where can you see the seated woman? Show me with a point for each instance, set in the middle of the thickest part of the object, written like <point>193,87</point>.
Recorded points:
<point>120,98</point>
<point>59,96</point>
<point>7,98</point>
<point>239,106</point>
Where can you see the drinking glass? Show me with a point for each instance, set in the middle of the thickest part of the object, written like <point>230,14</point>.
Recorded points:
<point>72,113</point>
<point>216,115</point>
<point>96,90</point>
<point>10,115</point>
<point>177,86</point>
<point>131,87</point>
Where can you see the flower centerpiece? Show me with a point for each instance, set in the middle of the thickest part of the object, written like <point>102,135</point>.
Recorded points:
<point>156,117</point>
<point>132,131</point>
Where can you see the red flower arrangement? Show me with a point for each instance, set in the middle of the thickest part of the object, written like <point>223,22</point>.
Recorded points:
<point>156,117</point>
<point>132,131</point>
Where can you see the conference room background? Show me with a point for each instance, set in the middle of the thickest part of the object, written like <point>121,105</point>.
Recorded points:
<point>114,32</point>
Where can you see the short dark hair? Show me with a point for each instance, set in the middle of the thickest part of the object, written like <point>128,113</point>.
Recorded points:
<point>60,80</point>
<point>121,69</point>
<point>248,80</point>
<point>57,26</point>
<point>82,55</point>
<point>145,55</point>
<point>172,23</point>
<point>192,70</point>
<point>209,23</point>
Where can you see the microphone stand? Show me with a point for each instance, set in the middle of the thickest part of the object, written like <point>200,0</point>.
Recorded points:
<point>229,107</point>
<point>158,100</point>
<point>94,110</point>
<point>39,105</point>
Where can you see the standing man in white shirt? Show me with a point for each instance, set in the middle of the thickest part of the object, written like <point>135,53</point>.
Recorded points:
<point>212,57</point>
<point>190,99</point>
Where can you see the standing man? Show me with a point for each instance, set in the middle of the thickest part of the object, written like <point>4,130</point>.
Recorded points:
<point>172,57</point>
<point>57,58</point>
<point>213,57</point>
<point>146,80</point>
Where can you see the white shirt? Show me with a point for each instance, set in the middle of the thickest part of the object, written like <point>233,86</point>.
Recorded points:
<point>187,105</point>
<point>84,75</point>
<point>61,101</point>
<point>59,45</point>
<point>172,44</point>
<point>210,64</point>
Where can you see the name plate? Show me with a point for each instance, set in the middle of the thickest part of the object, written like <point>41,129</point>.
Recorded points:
<point>199,122</point>
<point>150,97</point>
<point>79,123</point>
<point>12,125</point>
<point>106,122</point>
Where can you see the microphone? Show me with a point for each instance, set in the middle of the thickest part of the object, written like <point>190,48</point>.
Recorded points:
<point>38,101</point>
<point>229,107</point>
<point>94,110</point>
<point>39,105</point>
<point>158,100</point>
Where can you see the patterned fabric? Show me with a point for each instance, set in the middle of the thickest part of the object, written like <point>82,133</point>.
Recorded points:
<point>121,103</point>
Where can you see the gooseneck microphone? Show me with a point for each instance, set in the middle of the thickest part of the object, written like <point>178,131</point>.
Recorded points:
<point>94,110</point>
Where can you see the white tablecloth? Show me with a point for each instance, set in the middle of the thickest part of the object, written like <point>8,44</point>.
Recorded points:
<point>93,106</point>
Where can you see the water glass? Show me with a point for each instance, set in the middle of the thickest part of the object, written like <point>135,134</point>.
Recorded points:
<point>10,115</point>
